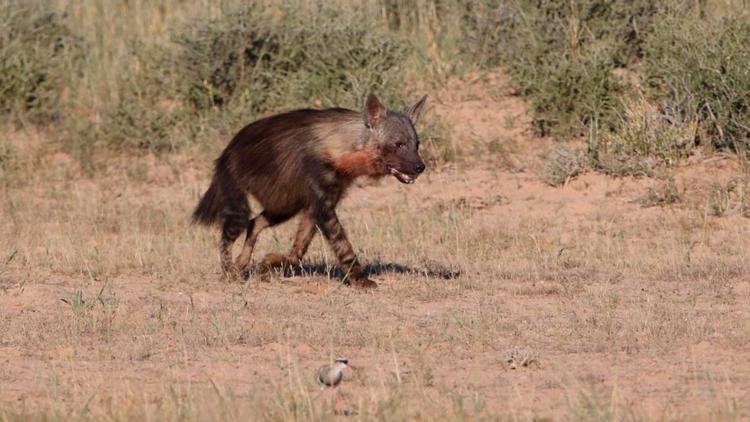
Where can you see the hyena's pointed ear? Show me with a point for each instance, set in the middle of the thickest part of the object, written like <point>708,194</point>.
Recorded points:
<point>374,111</point>
<point>415,110</point>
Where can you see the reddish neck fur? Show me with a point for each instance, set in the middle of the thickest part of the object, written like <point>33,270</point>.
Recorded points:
<point>356,163</point>
<point>349,146</point>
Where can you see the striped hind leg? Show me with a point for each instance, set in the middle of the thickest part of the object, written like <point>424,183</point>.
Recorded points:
<point>234,224</point>
<point>304,236</point>
<point>236,217</point>
<point>254,227</point>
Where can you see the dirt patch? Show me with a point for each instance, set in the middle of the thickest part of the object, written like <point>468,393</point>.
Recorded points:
<point>499,296</point>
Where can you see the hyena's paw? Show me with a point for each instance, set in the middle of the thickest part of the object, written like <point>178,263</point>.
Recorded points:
<point>363,283</point>
<point>271,262</point>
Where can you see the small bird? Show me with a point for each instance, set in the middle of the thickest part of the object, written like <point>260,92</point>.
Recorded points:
<point>330,376</point>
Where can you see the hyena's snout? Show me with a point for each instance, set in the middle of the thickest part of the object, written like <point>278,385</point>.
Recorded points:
<point>407,172</point>
<point>414,165</point>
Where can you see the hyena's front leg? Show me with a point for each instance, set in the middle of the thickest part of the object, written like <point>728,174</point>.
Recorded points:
<point>305,234</point>
<point>330,225</point>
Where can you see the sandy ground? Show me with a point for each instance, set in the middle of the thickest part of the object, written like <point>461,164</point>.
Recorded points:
<point>500,296</point>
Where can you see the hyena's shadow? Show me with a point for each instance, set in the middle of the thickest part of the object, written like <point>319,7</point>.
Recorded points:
<point>371,269</point>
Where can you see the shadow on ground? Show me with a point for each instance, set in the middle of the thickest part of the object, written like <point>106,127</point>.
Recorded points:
<point>370,269</point>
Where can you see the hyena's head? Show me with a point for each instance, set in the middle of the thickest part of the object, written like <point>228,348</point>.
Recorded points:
<point>395,139</point>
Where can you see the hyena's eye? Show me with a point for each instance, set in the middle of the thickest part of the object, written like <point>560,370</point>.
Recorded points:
<point>401,145</point>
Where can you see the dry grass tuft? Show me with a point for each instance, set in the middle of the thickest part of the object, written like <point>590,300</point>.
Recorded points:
<point>520,358</point>
<point>666,193</point>
<point>107,291</point>
<point>112,307</point>
<point>730,198</point>
<point>562,164</point>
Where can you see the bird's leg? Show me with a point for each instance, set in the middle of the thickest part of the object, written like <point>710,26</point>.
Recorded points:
<point>339,403</point>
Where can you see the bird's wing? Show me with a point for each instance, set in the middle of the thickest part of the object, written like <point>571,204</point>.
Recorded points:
<point>320,377</point>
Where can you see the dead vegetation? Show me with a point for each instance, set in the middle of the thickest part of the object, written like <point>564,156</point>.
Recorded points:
<point>732,197</point>
<point>114,308</point>
<point>562,163</point>
<point>664,193</point>
<point>613,294</point>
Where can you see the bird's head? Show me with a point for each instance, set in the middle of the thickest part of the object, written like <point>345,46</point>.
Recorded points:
<point>343,363</point>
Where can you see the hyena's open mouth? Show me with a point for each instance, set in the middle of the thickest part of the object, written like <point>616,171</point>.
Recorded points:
<point>402,177</point>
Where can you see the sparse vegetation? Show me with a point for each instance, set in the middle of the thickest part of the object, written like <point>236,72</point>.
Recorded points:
<point>645,137</point>
<point>40,56</point>
<point>562,164</point>
<point>730,198</point>
<point>204,74</point>
<point>113,308</point>
<point>650,81</point>
<point>666,193</point>
<point>6,155</point>
<point>694,66</point>
<point>562,56</point>
<point>653,81</point>
<point>519,357</point>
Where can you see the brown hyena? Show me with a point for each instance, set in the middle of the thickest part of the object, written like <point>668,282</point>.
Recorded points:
<point>304,161</point>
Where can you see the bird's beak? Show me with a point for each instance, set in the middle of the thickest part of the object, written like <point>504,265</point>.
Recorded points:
<point>353,367</point>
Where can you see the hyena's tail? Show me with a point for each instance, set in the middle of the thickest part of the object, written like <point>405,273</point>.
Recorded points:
<point>210,206</point>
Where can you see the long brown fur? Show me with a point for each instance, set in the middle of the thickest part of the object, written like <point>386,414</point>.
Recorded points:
<point>304,161</point>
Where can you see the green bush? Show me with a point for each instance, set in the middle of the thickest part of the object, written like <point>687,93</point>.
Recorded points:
<point>38,55</point>
<point>698,67</point>
<point>571,90</point>
<point>484,30</point>
<point>218,74</point>
<point>253,62</point>
<point>562,54</point>
<point>503,30</point>
<point>148,113</point>
<point>140,121</point>
<point>646,81</point>
<point>643,137</point>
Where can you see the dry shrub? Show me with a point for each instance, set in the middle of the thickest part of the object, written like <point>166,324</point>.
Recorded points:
<point>644,137</point>
<point>562,54</point>
<point>39,54</point>
<point>218,74</point>
<point>207,75</point>
<point>730,198</point>
<point>519,357</point>
<point>698,68</point>
<point>253,61</point>
<point>568,58</point>
<point>562,164</point>
<point>666,193</point>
